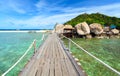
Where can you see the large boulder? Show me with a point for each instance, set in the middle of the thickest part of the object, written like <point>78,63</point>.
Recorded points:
<point>82,28</point>
<point>115,31</point>
<point>59,28</point>
<point>68,27</point>
<point>96,28</point>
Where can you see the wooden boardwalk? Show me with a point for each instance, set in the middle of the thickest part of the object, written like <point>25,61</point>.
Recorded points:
<point>51,60</point>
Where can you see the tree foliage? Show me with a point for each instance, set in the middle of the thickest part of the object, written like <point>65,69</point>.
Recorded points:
<point>95,18</point>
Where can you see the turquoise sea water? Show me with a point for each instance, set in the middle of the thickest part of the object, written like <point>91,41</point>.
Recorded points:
<point>107,50</point>
<point>12,47</point>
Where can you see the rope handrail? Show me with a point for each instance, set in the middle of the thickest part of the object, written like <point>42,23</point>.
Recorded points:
<point>19,58</point>
<point>108,66</point>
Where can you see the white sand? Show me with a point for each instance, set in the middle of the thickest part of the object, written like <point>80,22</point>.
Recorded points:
<point>27,31</point>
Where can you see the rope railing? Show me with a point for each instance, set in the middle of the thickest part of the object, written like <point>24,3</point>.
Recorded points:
<point>42,37</point>
<point>108,66</point>
<point>32,44</point>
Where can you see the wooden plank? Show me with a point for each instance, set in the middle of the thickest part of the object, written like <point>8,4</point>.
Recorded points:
<point>58,71</point>
<point>32,71</point>
<point>41,62</point>
<point>69,66</point>
<point>45,71</point>
<point>51,60</point>
<point>44,63</point>
<point>52,68</point>
<point>30,66</point>
<point>63,65</point>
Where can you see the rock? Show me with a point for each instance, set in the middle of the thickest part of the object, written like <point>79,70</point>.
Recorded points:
<point>68,29</point>
<point>82,28</point>
<point>115,31</point>
<point>117,36</point>
<point>88,36</point>
<point>96,28</point>
<point>112,36</point>
<point>106,29</point>
<point>59,28</point>
<point>109,33</point>
<point>99,37</point>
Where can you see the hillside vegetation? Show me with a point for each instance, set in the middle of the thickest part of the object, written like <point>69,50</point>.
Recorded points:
<point>95,18</point>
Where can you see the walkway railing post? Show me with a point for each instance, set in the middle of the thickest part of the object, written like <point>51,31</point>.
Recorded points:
<point>69,45</point>
<point>34,45</point>
<point>43,37</point>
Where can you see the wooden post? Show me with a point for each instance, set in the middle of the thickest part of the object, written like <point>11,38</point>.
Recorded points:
<point>69,45</point>
<point>34,45</point>
<point>43,37</point>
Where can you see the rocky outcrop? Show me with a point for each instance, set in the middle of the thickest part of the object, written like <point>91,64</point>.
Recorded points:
<point>82,28</point>
<point>59,28</point>
<point>115,31</point>
<point>96,28</point>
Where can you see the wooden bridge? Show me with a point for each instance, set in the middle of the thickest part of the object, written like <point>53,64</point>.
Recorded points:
<point>52,60</point>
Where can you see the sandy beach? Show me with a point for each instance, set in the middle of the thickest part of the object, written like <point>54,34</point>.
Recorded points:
<point>25,31</point>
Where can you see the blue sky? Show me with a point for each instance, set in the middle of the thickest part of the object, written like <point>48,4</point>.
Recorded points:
<point>43,14</point>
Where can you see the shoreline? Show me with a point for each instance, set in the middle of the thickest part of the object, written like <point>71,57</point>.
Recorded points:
<point>29,31</point>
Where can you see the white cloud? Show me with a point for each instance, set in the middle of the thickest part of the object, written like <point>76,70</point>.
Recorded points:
<point>15,6</point>
<point>45,7</point>
<point>41,4</point>
<point>111,9</point>
<point>41,21</point>
<point>17,9</point>
<point>68,13</point>
<point>10,5</point>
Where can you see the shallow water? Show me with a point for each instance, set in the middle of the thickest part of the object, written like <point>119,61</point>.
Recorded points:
<point>108,50</point>
<point>13,45</point>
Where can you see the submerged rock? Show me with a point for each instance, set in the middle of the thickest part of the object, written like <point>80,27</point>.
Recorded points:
<point>88,36</point>
<point>115,31</point>
<point>82,28</point>
<point>96,28</point>
<point>99,37</point>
